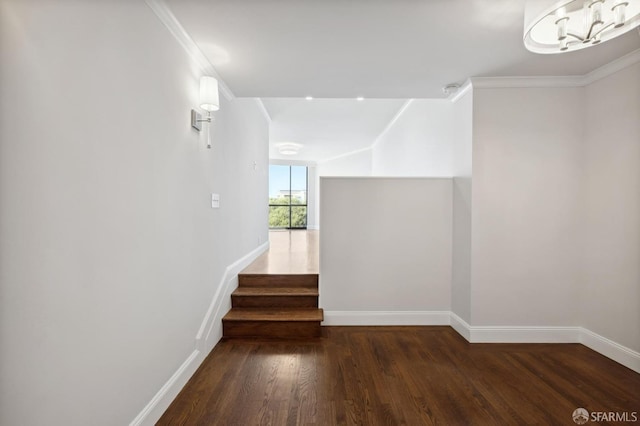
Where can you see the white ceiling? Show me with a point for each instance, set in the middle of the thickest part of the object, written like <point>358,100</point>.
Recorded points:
<point>327,128</point>
<point>371,48</point>
<point>391,49</point>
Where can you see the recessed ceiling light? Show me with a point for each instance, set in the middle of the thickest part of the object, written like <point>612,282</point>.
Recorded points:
<point>309,98</point>
<point>360,98</point>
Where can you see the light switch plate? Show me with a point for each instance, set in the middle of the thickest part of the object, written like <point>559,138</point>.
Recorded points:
<point>215,201</point>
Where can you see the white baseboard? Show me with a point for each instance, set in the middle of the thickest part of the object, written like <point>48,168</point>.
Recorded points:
<point>386,318</point>
<point>525,334</point>
<point>157,406</point>
<point>518,334</point>
<point>208,335</point>
<point>210,331</point>
<point>461,326</point>
<point>621,354</point>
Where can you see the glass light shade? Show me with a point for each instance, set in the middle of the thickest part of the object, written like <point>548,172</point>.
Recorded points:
<point>209,98</point>
<point>544,31</point>
<point>596,11</point>
<point>619,12</point>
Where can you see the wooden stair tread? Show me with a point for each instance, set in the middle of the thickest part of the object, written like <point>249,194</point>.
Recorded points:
<point>278,280</point>
<point>275,291</point>
<point>274,314</point>
<point>260,274</point>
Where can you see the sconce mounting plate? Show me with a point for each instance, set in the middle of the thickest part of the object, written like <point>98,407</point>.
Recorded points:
<point>196,120</point>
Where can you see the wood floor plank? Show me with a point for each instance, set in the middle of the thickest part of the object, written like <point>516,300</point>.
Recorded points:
<point>290,252</point>
<point>399,375</point>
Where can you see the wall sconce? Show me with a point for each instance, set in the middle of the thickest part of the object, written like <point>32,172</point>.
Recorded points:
<point>209,101</point>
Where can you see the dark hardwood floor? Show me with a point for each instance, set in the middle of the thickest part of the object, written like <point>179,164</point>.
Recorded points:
<point>400,375</point>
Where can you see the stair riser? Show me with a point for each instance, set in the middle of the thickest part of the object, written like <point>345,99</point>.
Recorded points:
<point>267,329</point>
<point>274,301</point>
<point>251,280</point>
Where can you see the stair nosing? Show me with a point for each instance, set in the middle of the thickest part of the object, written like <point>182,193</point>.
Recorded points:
<point>235,311</point>
<point>251,292</point>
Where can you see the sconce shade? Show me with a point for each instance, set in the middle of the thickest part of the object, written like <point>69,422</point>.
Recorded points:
<point>209,99</point>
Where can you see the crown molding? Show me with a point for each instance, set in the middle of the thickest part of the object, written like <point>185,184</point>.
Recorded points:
<point>526,82</point>
<point>463,90</point>
<point>168,19</point>
<point>553,81</point>
<point>264,110</point>
<point>612,67</point>
<point>390,124</point>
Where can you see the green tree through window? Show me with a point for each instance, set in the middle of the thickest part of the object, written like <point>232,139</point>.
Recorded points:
<point>287,196</point>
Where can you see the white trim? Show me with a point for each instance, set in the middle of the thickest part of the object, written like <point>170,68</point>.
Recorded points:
<point>389,177</point>
<point>167,393</point>
<point>473,334</point>
<point>466,87</point>
<point>212,323</point>
<point>554,81</point>
<point>168,19</point>
<point>613,67</point>
<point>386,318</point>
<point>461,326</point>
<point>222,297</point>
<point>263,109</point>
<point>527,82</point>
<point>621,354</point>
<point>390,124</point>
<point>490,334</point>
<point>524,334</point>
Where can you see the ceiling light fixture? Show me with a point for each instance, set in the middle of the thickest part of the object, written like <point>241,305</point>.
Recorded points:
<point>289,148</point>
<point>360,98</point>
<point>309,98</point>
<point>209,101</point>
<point>552,26</point>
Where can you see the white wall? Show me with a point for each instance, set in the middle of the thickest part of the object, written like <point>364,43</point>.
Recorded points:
<point>527,175</point>
<point>110,252</point>
<point>610,296</point>
<point>462,185</point>
<point>354,164</point>
<point>419,143</point>
<point>385,245</point>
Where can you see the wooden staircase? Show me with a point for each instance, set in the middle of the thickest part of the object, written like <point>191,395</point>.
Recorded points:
<point>274,306</point>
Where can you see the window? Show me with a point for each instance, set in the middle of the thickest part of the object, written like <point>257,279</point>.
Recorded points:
<point>287,197</point>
